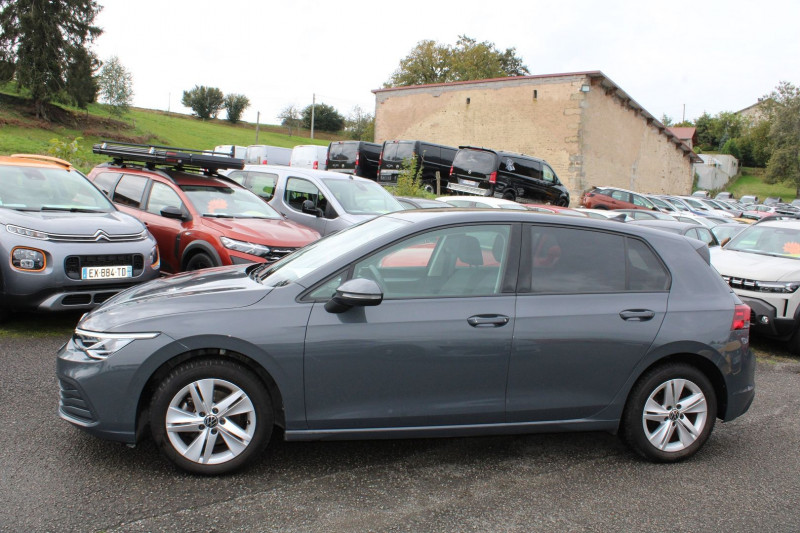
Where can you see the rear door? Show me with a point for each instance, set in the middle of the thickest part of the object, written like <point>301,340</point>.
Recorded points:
<point>589,307</point>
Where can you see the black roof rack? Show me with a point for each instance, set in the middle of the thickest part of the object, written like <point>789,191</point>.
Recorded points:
<point>179,158</point>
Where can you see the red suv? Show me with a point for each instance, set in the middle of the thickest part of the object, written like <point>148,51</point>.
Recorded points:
<point>613,198</point>
<point>199,220</point>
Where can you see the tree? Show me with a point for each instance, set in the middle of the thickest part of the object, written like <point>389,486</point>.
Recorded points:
<point>666,120</point>
<point>41,38</point>
<point>359,125</point>
<point>206,102</point>
<point>235,104</point>
<point>784,134</point>
<point>431,62</point>
<point>82,85</point>
<point>116,86</point>
<point>290,117</point>
<point>326,118</point>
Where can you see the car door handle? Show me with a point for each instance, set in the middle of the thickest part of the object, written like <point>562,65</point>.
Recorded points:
<point>487,321</point>
<point>637,315</point>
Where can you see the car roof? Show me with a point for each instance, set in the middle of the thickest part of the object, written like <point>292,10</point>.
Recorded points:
<point>34,160</point>
<point>674,225</point>
<point>305,172</point>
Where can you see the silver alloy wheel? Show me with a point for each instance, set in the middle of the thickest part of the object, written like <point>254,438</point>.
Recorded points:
<point>210,421</point>
<point>674,415</point>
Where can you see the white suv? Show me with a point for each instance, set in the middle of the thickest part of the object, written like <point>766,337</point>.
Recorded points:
<point>762,265</point>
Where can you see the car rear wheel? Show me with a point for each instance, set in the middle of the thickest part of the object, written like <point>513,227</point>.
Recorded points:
<point>670,413</point>
<point>198,261</point>
<point>211,416</point>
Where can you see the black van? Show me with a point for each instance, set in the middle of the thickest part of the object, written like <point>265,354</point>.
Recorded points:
<point>518,177</point>
<point>434,158</point>
<point>354,157</point>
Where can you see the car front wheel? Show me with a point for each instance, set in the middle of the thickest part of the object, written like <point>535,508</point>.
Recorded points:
<point>211,416</point>
<point>670,413</point>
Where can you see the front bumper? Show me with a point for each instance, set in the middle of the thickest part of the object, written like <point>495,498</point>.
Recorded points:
<point>102,396</point>
<point>765,319</point>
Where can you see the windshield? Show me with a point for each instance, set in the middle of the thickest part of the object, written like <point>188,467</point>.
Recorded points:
<point>362,197</point>
<point>49,189</point>
<point>768,240</point>
<point>322,252</point>
<point>228,202</point>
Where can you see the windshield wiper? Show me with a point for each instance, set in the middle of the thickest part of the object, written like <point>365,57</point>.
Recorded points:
<point>217,215</point>
<point>69,209</point>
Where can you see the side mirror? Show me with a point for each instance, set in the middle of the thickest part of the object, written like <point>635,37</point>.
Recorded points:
<point>359,292</point>
<point>309,208</point>
<point>173,212</point>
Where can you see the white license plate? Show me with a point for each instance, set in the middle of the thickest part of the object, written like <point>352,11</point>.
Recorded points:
<point>112,272</point>
<point>468,182</point>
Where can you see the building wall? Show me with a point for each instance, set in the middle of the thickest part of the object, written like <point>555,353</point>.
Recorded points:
<point>589,138</point>
<point>502,115</point>
<point>621,149</point>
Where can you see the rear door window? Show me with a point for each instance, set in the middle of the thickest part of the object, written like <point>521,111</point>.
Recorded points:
<point>130,191</point>
<point>106,182</point>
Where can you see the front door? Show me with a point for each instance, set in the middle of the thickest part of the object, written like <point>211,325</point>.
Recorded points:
<point>434,352</point>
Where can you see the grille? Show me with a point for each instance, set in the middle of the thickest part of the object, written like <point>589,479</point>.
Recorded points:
<point>741,283</point>
<point>77,299</point>
<point>278,253</point>
<point>74,263</point>
<point>99,235</point>
<point>72,403</point>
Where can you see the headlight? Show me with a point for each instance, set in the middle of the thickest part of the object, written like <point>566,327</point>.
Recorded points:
<point>29,259</point>
<point>785,287</point>
<point>155,259</point>
<point>245,247</point>
<point>101,345</point>
<point>25,232</point>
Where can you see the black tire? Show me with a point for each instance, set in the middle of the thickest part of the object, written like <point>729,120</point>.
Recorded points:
<point>429,187</point>
<point>562,202</point>
<point>198,261</point>
<point>684,428</point>
<point>794,342</point>
<point>510,196</point>
<point>248,428</point>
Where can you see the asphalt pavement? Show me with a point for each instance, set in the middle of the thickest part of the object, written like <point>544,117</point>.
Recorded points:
<point>54,477</point>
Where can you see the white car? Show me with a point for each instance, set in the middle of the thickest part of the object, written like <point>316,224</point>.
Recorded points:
<point>762,265</point>
<point>482,202</point>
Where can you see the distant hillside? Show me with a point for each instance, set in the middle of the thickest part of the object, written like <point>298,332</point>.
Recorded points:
<point>20,132</point>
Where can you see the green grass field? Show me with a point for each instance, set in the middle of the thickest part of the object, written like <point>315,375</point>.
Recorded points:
<point>751,181</point>
<point>20,132</point>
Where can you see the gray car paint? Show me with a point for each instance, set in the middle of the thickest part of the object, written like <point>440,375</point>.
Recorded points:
<point>313,362</point>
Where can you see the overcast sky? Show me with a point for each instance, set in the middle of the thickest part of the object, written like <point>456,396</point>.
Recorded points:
<point>710,56</point>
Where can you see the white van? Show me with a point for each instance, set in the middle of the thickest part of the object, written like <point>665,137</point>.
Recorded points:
<point>310,156</point>
<point>232,150</point>
<point>264,154</point>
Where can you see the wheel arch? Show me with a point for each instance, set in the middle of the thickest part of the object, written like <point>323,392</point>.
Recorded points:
<point>703,364</point>
<point>143,405</point>
<point>196,247</point>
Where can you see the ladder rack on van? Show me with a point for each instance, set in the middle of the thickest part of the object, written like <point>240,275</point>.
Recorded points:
<point>179,158</point>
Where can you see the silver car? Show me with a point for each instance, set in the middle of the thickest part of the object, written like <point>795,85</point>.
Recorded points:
<point>324,201</point>
<point>66,247</point>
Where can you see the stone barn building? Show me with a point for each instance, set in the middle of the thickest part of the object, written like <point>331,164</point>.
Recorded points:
<point>588,129</point>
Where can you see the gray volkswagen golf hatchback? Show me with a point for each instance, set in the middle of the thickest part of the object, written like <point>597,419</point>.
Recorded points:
<point>64,245</point>
<point>418,324</point>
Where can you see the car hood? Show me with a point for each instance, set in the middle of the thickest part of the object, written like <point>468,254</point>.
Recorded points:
<point>759,267</point>
<point>64,223</point>
<point>213,289</point>
<point>277,232</point>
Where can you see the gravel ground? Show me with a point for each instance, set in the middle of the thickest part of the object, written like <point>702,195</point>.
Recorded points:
<point>53,477</point>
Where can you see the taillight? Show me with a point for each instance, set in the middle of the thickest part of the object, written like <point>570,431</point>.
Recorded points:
<point>451,171</point>
<point>380,160</point>
<point>316,165</point>
<point>264,162</point>
<point>741,317</point>
<point>493,177</point>
<point>357,158</point>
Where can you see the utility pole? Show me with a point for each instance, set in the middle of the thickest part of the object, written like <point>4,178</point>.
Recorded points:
<point>313,105</point>
<point>683,119</point>
<point>258,120</point>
